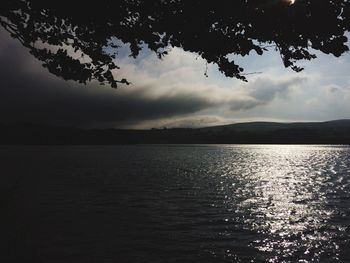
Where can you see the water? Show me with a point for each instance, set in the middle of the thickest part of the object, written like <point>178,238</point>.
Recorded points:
<point>196,203</point>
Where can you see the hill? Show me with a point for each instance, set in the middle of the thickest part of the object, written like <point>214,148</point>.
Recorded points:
<point>330,132</point>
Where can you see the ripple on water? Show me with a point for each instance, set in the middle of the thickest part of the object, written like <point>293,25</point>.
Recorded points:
<point>184,204</point>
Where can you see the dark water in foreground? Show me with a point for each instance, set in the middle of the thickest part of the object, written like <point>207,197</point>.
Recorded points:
<point>243,203</point>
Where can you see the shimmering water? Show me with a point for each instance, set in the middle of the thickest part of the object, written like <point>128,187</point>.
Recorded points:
<point>195,203</point>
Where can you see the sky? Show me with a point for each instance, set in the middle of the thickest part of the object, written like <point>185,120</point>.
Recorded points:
<point>173,92</point>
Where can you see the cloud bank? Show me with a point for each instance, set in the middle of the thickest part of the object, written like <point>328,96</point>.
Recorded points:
<point>173,92</point>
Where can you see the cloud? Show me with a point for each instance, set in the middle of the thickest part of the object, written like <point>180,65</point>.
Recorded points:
<point>182,73</point>
<point>168,90</point>
<point>266,90</point>
<point>29,94</point>
<point>173,92</point>
<point>185,122</point>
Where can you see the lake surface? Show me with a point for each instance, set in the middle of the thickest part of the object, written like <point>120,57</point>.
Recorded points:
<point>164,203</point>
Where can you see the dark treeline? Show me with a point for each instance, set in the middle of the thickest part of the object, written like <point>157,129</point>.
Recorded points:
<point>332,132</point>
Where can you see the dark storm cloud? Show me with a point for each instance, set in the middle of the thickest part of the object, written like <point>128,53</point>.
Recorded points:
<point>29,94</point>
<point>167,93</point>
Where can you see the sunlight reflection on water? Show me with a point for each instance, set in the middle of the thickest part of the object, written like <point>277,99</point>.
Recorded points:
<point>285,191</point>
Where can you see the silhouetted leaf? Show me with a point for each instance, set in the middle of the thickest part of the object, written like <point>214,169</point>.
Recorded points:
<point>212,29</point>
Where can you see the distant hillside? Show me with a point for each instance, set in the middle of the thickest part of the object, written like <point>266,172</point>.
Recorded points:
<point>330,132</point>
<point>268,126</point>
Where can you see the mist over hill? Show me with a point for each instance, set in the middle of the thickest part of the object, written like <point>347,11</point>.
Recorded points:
<point>329,132</point>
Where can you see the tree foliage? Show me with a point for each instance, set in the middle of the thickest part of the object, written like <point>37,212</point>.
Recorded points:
<point>71,37</point>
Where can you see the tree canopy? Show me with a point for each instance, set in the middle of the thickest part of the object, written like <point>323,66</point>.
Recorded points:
<point>75,40</point>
